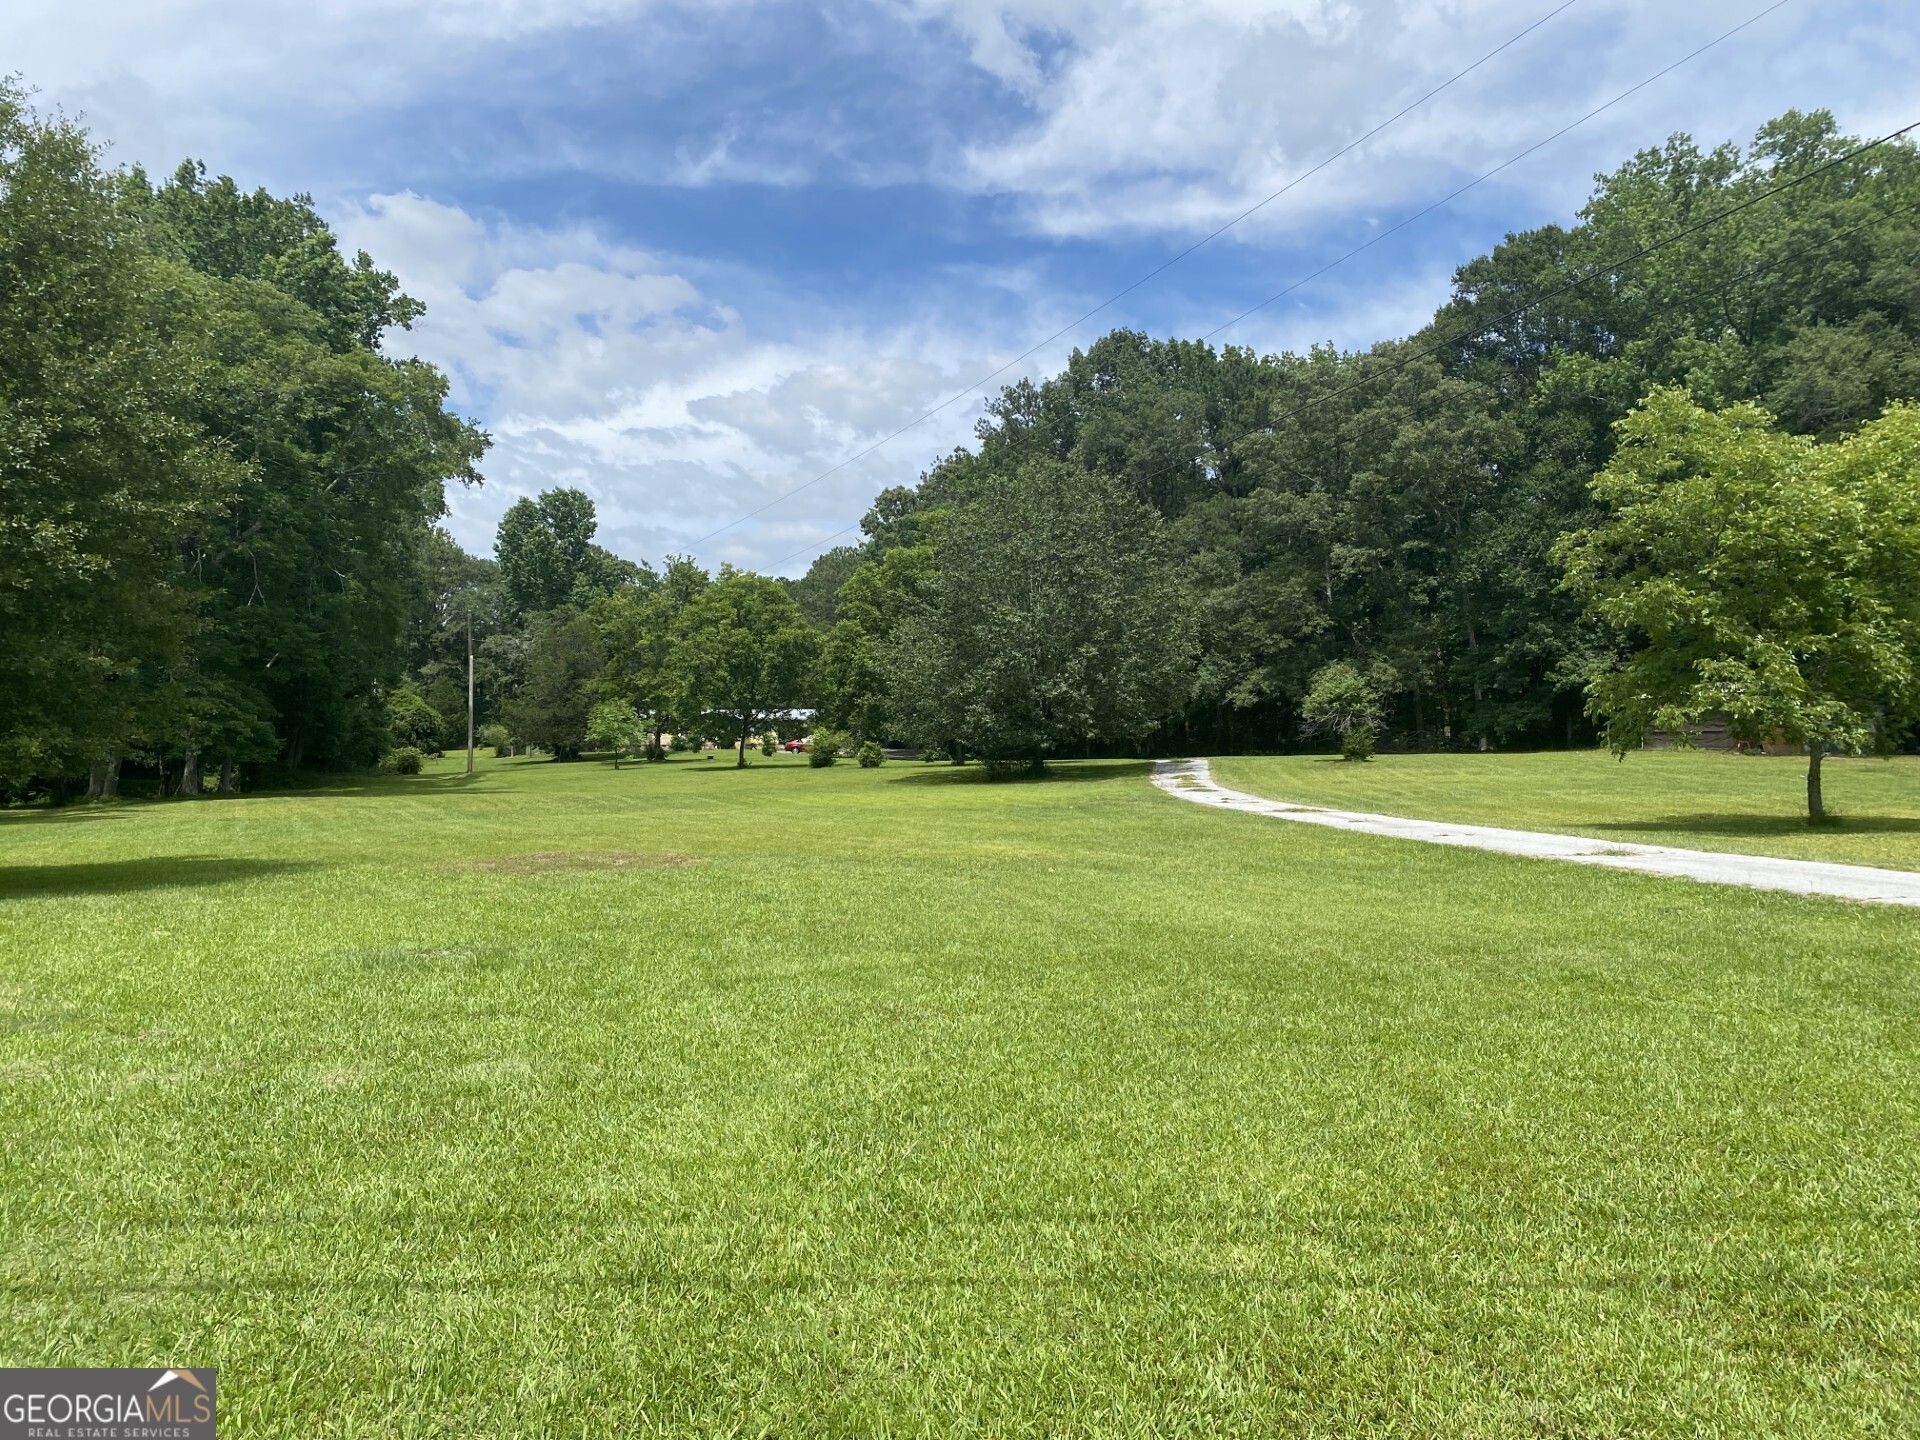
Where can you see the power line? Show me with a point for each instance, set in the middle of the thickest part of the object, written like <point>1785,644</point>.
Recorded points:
<point>959,395</point>
<point>1503,165</point>
<point>1609,267</point>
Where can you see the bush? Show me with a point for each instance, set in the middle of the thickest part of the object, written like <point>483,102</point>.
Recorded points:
<point>826,747</point>
<point>497,736</point>
<point>769,746</point>
<point>415,724</point>
<point>1357,743</point>
<point>404,761</point>
<point>870,755</point>
<point>682,743</point>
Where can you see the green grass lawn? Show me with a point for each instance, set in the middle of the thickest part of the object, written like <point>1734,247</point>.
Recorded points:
<point>1696,799</point>
<point>889,1102</point>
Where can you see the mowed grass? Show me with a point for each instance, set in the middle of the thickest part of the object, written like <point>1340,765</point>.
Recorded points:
<point>846,1102</point>
<point>1696,799</point>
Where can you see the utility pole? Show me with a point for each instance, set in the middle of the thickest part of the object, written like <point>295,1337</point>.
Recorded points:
<point>469,692</point>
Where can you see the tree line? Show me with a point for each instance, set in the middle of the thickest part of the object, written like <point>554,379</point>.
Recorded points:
<point>1638,469</point>
<point>217,490</point>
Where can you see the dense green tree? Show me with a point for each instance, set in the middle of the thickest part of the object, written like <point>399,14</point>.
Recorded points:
<point>852,681</point>
<point>548,558</point>
<point>1055,618</point>
<point>743,652</point>
<point>413,721</point>
<point>816,592</point>
<point>1758,575</point>
<point>308,572</point>
<point>1341,701</point>
<point>103,467</point>
<point>640,628</point>
<point>564,662</point>
<point>615,726</point>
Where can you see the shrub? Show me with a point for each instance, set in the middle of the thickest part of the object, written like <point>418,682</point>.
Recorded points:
<point>497,736</point>
<point>404,761</point>
<point>415,724</point>
<point>1343,701</point>
<point>769,746</point>
<point>682,743</point>
<point>826,747</point>
<point>870,755</point>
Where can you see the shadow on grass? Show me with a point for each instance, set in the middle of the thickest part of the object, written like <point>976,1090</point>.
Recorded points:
<point>70,814</point>
<point>113,877</point>
<point>1057,772</point>
<point>1763,826</point>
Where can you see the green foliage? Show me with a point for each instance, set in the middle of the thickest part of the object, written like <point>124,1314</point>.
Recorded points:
<point>495,737</point>
<point>550,711</point>
<point>1056,618</point>
<point>1343,702</point>
<point>104,470</point>
<point>405,760</point>
<point>639,629</point>
<point>826,747</point>
<point>1399,509</point>
<point>413,721</point>
<point>308,574</point>
<point>742,652</point>
<point>870,755</point>
<point>769,745</point>
<point>1757,575</point>
<point>613,725</point>
<point>817,592</point>
<point>547,556</point>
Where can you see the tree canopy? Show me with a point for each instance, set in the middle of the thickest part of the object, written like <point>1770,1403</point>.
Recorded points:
<point>221,482</point>
<point>1757,575</point>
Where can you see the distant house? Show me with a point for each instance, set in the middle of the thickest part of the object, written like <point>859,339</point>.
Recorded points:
<point>1716,733</point>
<point>1713,733</point>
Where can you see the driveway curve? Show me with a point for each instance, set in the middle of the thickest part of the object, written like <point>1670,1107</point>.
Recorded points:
<point>1193,780</point>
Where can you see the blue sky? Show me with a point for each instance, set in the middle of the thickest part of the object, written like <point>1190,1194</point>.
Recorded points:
<point>688,257</point>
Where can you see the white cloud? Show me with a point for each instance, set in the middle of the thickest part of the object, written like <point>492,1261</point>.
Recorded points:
<point>1157,117</point>
<point>603,366</point>
<point>681,395</point>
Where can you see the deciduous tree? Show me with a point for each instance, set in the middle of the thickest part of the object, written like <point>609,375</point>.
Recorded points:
<point>1758,575</point>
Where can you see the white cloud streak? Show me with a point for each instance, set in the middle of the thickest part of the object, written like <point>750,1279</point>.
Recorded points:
<point>599,365</point>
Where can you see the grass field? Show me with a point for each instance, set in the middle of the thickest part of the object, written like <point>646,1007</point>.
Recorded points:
<point>1700,800</point>
<point>792,1102</point>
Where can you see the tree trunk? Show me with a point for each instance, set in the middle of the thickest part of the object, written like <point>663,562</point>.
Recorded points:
<point>226,776</point>
<point>103,780</point>
<point>1816,804</point>
<point>741,763</point>
<point>190,774</point>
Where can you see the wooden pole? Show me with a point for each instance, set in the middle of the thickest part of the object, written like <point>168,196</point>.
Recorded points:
<point>469,692</point>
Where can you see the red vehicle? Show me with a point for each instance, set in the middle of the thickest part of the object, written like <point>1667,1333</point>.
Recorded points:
<point>794,745</point>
